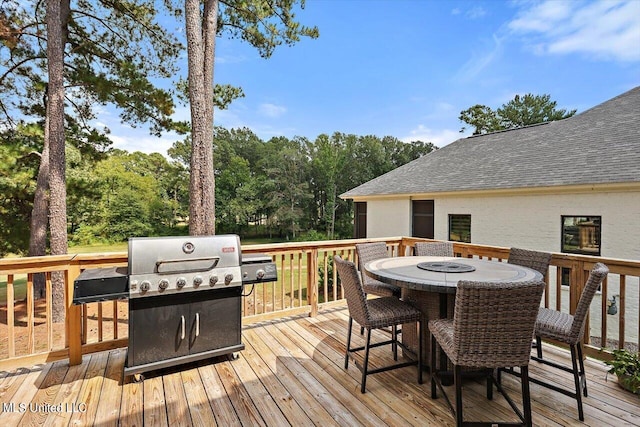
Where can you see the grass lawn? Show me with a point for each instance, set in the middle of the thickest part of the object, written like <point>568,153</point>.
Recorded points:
<point>99,248</point>
<point>19,288</point>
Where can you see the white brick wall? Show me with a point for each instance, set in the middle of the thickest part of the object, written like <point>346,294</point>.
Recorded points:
<point>386,218</point>
<point>530,221</point>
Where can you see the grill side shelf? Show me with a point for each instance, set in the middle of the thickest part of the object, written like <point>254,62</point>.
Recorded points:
<point>101,284</point>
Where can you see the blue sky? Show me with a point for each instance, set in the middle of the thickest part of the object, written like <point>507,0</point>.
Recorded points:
<point>406,68</point>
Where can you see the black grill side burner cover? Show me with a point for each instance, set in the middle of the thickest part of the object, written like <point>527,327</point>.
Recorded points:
<point>101,284</point>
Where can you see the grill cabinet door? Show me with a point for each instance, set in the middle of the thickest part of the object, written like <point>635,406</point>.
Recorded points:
<point>155,329</point>
<point>216,320</point>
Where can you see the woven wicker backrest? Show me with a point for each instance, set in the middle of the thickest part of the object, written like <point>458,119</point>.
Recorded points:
<point>350,281</point>
<point>596,276</point>
<point>493,322</point>
<point>536,260</point>
<point>433,249</point>
<point>368,252</point>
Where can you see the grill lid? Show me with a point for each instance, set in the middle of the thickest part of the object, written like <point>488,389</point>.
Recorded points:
<point>182,254</point>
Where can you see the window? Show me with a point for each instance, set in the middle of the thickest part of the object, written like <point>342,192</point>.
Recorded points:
<point>422,215</point>
<point>460,228</point>
<point>581,235</point>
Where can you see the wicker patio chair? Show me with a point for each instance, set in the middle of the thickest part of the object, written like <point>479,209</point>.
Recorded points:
<point>492,327</point>
<point>569,329</point>
<point>536,260</point>
<point>372,314</point>
<point>433,249</point>
<point>368,252</point>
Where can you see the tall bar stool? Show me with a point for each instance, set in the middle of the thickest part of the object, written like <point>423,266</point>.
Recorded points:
<point>373,314</point>
<point>492,326</point>
<point>569,329</point>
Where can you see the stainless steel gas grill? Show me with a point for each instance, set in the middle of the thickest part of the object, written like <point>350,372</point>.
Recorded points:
<point>184,297</point>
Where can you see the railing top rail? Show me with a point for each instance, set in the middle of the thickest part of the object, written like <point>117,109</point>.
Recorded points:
<point>86,260</point>
<point>320,244</point>
<point>35,264</point>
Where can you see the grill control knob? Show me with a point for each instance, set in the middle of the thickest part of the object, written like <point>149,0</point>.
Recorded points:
<point>181,282</point>
<point>164,284</point>
<point>197,281</point>
<point>260,274</point>
<point>213,280</point>
<point>145,286</point>
<point>227,279</point>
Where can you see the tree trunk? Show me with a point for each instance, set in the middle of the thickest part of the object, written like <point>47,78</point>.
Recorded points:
<point>55,115</point>
<point>201,33</point>
<point>39,217</point>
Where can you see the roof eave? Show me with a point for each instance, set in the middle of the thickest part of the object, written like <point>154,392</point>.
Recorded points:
<point>616,187</point>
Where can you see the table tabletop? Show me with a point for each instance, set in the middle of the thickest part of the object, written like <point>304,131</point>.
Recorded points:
<point>405,273</point>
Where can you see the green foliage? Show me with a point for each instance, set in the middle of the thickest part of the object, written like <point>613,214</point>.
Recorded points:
<point>265,24</point>
<point>312,236</point>
<point>626,365</point>
<point>19,159</point>
<point>519,112</point>
<point>286,189</point>
<point>482,118</point>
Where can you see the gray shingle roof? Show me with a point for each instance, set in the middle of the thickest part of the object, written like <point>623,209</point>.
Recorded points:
<point>598,146</point>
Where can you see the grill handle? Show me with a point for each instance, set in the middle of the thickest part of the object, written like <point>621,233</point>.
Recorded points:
<point>182,334</point>
<point>165,266</point>
<point>197,324</point>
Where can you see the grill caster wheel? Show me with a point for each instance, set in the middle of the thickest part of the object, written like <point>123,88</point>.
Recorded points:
<point>234,356</point>
<point>138,378</point>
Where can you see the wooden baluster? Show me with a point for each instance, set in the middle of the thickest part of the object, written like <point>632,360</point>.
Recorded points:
<point>11,311</point>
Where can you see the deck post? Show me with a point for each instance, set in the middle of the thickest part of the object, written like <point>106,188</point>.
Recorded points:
<point>73,319</point>
<point>312,281</point>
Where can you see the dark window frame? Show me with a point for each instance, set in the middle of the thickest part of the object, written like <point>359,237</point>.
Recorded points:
<point>423,218</point>
<point>451,237</point>
<point>569,239</point>
<point>360,220</point>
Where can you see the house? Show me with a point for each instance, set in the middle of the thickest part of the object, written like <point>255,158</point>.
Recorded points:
<point>571,185</point>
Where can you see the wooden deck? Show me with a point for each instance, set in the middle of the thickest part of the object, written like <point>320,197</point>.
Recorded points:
<point>291,373</point>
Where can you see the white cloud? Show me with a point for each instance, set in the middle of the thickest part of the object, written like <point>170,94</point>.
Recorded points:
<point>439,137</point>
<point>230,59</point>
<point>602,30</point>
<point>271,110</point>
<point>480,60</point>
<point>140,140</point>
<point>542,17</point>
<point>476,12</point>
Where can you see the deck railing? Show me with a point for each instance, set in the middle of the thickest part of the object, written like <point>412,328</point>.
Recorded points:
<point>306,283</point>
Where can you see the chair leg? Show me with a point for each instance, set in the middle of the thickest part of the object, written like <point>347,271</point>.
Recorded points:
<point>346,357</point>
<point>526,396</point>
<point>432,368</point>
<point>539,346</point>
<point>361,330</point>
<point>576,379</point>
<point>365,364</point>
<point>419,326</point>
<point>394,343</point>
<point>457,380</point>
<point>583,375</point>
<point>490,385</point>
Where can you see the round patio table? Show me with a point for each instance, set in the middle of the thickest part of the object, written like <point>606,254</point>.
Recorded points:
<point>429,283</point>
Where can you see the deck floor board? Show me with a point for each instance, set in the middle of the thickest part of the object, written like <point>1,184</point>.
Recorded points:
<point>291,373</point>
